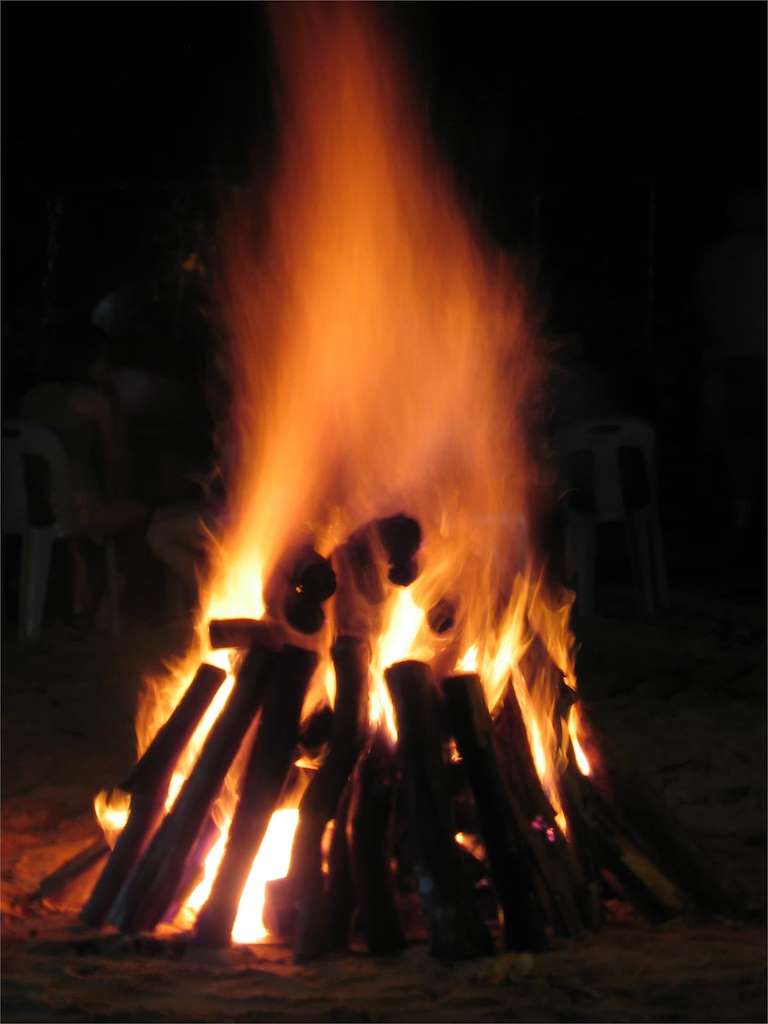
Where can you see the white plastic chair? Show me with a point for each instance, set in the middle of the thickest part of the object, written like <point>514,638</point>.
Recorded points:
<point>610,474</point>
<point>39,528</point>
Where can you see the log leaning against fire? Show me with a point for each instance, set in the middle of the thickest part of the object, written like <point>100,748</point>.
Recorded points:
<point>148,785</point>
<point>150,890</point>
<point>263,780</point>
<point>559,886</point>
<point>644,852</point>
<point>455,927</point>
<point>511,863</point>
<point>73,870</point>
<point>351,658</point>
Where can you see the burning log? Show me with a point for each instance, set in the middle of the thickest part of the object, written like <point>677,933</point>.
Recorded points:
<point>640,843</point>
<point>511,866</point>
<point>360,552</point>
<point>557,874</point>
<point>441,617</point>
<point>401,538</point>
<point>302,582</point>
<point>456,931</point>
<point>262,783</point>
<point>148,893</point>
<point>59,881</point>
<point>369,835</point>
<point>351,657</point>
<point>148,785</point>
<point>243,633</point>
<point>317,729</point>
<point>194,869</point>
<point>342,900</point>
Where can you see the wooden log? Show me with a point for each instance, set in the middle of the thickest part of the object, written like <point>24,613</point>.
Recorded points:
<point>59,881</point>
<point>148,784</point>
<point>299,586</point>
<point>342,900</point>
<point>351,658</point>
<point>243,633</point>
<point>511,864</point>
<point>558,877</point>
<point>582,842</point>
<point>172,737</point>
<point>632,818</point>
<point>194,869</point>
<point>316,730</point>
<point>263,780</point>
<point>370,842</point>
<point>363,558</point>
<point>456,930</point>
<point>401,538</point>
<point>441,617</point>
<point>313,576</point>
<point>150,890</point>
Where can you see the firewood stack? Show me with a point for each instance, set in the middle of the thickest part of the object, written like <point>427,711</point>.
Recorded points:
<point>396,806</point>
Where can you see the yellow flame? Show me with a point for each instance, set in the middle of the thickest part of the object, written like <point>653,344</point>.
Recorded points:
<point>582,761</point>
<point>402,624</point>
<point>271,862</point>
<point>112,807</point>
<point>469,661</point>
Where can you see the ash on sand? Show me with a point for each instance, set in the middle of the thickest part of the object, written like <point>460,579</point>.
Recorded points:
<point>686,694</point>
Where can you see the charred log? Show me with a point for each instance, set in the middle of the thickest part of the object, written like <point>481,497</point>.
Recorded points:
<point>165,749</point>
<point>512,868</point>
<point>370,838</point>
<point>262,783</point>
<point>148,785</point>
<point>351,657</point>
<point>342,901</point>
<point>441,617</point>
<point>558,878</point>
<point>56,884</point>
<point>243,633</point>
<point>150,890</point>
<point>317,729</point>
<point>635,828</point>
<point>456,930</point>
<point>401,537</point>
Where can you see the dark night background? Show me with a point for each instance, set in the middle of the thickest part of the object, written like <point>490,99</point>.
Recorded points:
<point>618,147</point>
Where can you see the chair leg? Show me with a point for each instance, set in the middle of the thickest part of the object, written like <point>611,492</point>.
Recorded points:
<point>659,564</point>
<point>582,541</point>
<point>640,541</point>
<point>37,546</point>
<point>110,556</point>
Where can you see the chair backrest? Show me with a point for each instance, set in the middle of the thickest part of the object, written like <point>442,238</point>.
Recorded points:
<point>618,483</point>
<point>25,444</point>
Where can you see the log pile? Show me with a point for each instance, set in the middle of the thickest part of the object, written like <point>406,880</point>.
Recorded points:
<point>379,819</point>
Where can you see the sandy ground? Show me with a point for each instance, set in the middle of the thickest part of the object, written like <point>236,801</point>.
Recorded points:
<point>685,692</point>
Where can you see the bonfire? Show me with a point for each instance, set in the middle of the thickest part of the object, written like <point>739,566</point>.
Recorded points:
<point>377,735</point>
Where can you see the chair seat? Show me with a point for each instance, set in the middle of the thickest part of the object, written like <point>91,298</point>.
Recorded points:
<point>608,466</point>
